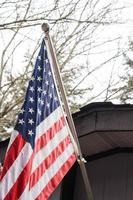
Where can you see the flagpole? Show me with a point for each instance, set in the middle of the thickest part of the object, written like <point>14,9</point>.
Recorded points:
<point>80,159</point>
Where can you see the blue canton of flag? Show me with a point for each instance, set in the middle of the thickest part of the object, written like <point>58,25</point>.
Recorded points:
<point>41,98</point>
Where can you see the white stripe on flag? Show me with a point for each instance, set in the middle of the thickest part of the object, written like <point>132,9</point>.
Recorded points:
<point>25,195</point>
<point>50,146</point>
<point>51,172</point>
<point>12,139</point>
<point>15,170</point>
<point>48,122</point>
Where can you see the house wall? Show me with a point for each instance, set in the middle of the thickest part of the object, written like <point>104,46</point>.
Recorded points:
<point>111,178</point>
<point>56,194</point>
<point>3,147</point>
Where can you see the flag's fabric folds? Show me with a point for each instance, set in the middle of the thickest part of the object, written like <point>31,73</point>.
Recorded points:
<point>40,151</point>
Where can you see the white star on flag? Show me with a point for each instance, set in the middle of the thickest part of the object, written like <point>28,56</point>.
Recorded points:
<point>22,111</point>
<point>49,73</point>
<point>46,83</point>
<point>39,100</point>
<point>31,110</point>
<point>31,99</point>
<point>48,105</point>
<point>21,121</point>
<point>39,68</point>
<point>52,86</point>
<point>46,61</point>
<point>39,89</point>
<point>50,95</point>
<point>31,89</point>
<point>39,112</point>
<point>39,57</point>
<point>44,92</point>
<point>42,103</point>
<point>39,78</point>
<point>55,98</point>
<point>32,78</point>
<point>31,121</point>
<point>30,133</point>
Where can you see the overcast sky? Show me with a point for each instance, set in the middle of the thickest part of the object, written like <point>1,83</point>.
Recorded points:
<point>99,80</point>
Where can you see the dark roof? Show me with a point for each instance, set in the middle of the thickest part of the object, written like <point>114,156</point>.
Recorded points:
<point>102,106</point>
<point>104,126</point>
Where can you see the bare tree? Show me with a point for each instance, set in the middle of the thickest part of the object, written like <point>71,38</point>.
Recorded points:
<point>75,25</point>
<point>123,90</point>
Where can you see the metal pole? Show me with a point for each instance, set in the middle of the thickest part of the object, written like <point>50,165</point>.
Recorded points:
<point>80,159</point>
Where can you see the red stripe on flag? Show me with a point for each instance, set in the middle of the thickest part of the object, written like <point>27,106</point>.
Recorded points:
<point>13,153</point>
<point>36,175</point>
<point>54,182</point>
<point>46,137</point>
<point>20,184</point>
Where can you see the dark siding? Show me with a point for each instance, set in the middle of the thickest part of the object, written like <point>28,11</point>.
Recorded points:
<point>3,147</point>
<point>129,187</point>
<point>111,178</point>
<point>56,194</point>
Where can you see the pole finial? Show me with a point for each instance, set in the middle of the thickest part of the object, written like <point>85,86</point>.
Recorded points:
<point>45,28</point>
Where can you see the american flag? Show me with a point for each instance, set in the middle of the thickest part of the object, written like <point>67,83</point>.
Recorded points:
<point>40,151</point>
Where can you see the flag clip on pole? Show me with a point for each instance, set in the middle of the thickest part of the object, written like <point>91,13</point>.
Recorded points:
<point>55,68</point>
